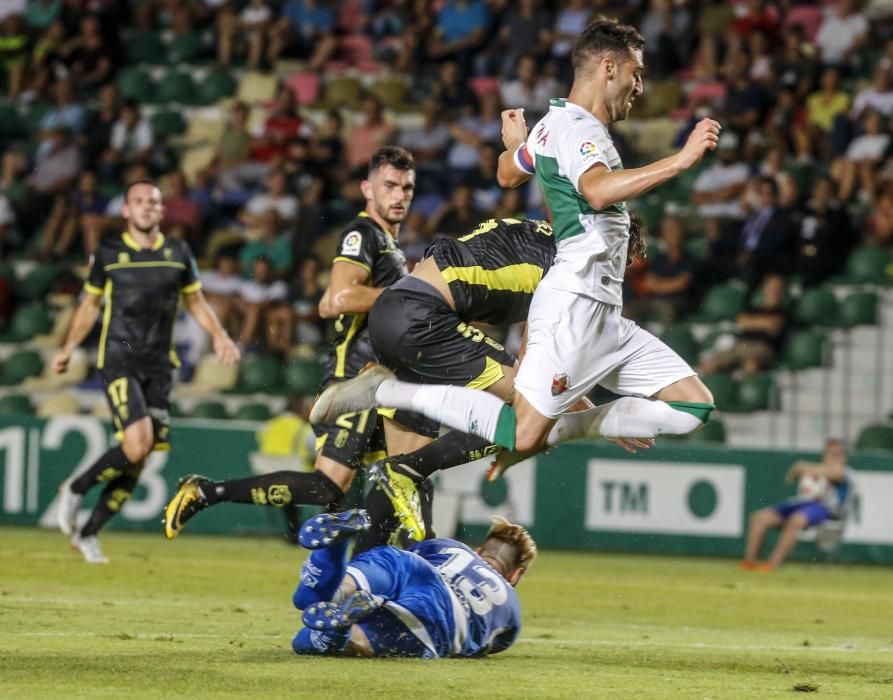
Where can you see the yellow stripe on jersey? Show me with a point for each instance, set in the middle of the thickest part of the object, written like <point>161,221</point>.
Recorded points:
<point>159,263</point>
<point>488,225</point>
<point>192,288</point>
<point>523,277</point>
<point>90,289</point>
<point>492,373</point>
<point>353,262</point>
<point>341,348</point>
<point>106,320</point>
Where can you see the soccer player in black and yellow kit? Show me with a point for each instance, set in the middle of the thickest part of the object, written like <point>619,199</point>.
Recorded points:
<point>367,261</point>
<point>140,275</point>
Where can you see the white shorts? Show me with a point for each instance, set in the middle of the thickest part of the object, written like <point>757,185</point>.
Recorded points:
<point>575,342</point>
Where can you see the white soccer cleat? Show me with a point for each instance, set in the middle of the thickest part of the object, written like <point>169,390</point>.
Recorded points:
<point>354,395</point>
<point>89,548</point>
<point>67,512</point>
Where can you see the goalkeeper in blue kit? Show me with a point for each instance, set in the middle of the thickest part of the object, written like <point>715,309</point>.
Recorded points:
<point>438,598</point>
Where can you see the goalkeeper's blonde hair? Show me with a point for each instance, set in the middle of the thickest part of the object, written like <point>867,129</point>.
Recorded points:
<point>523,546</point>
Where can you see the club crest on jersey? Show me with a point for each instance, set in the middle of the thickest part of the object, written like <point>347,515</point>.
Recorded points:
<point>588,151</point>
<point>168,253</point>
<point>559,384</point>
<point>352,243</point>
<point>123,258</point>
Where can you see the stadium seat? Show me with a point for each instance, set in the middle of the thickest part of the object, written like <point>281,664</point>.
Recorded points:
<point>184,48</point>
<point>256,88</point>
<point>713,431</point>
<point>305,87</point>
<point>176,87</point>
<point>12,126</point>
<point>167,123</point>
<point>722,303</point>
<point>146,47</point>
<point>210,375</point>
<point>805,349</point>
<point>59,405</point>
<point>817,307</point>
<point>483,85</point>
<point>808,17</point>
<point>217,85</point>
<point>16,405</point>
<point>858,309</point>
<point>875,437</point>
<point>262,373</point>
<point>724,390</point>
<point>19,366</point>
<point>303,376</point>
<point>135,84</point>
<point>37,282</point>
<point>342,91</point>
<point>27,322</point>
<point>174,410</point>
<point>210,409</point>
<point>866,265</point>
<point>756,393</point>
<point>253,411</point>
<point>683,342</point>
<point>355,49</point>
<point>390,91</point>
<point>78,366</point>
<point>710,92</point>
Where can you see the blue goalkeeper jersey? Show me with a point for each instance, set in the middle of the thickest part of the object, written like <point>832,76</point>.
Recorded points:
<point>486,613</point>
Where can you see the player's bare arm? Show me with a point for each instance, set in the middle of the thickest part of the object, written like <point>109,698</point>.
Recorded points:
<point>224,347</point>
<point>81,325</point>
<point>514,135</point>
<point>603,187</point>
<point>348,292</point>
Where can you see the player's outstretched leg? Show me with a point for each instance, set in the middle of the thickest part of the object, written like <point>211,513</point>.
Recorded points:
<point>89,548</point>
<point>189,500</point>
<point>327,529</point>
<point>67,513</point>
<point>330,616</point>
<point>403,495</point>
<point>354,395</point>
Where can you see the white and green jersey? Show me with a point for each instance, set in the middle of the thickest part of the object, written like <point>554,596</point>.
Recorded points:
<point>591,243</point>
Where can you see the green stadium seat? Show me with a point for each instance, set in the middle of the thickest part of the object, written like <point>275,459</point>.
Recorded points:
<point>217,85</point>
<point>135,84</point>
<point>859,309</point>
<point>722,303</point>
<point>303,376</point>
<point>683,342</point>
<point>174,410</point>
<point>12,126</point>
<point>146,47</point>
<point>805,349</point>
<point>867,265</point>
<point>27,322</point>
<point>724,390</point>
<point>817,307</point>
<point>210,409</point>
<point>875,437</point>
<point>253,411</point>
<point>755,393</point>
<point>260,374</point>
<point>168,123</point>
<point>713,431</point>
<point>20,366</point>
<point>184,48</point>
<point>176,87</point>
<point>37,282</point>
<point>16,405</point>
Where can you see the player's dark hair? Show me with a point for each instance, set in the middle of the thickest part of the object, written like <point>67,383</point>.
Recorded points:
<point>396,157</point>
<point>605,36</point>
<point>141,181</point>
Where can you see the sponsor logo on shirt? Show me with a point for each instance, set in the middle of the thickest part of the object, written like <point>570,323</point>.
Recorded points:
<point>352,243</point>
<point>588,151</point>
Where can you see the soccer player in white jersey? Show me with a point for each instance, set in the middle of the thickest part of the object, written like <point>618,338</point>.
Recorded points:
<point>576,337</point>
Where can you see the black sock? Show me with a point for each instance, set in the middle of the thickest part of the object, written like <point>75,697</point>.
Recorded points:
<point>277,489</point>
<point>447,451</point>
<point>113,497</point>
<point>384,522</point>
<point>426,502</point>
<point>110,466</point>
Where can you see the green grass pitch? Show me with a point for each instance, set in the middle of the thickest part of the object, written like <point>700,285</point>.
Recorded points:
<point>212,617</point>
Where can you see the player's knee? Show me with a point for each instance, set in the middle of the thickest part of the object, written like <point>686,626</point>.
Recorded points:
<point>798,521</point>
<point>137,449</point>
<point>526,440</point>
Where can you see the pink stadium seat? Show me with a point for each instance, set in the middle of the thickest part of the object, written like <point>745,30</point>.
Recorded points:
<point>707,92</point>
<point>355,48</point>
<point>484,85</point>
<point>305,87</point>
<point>807,16</point>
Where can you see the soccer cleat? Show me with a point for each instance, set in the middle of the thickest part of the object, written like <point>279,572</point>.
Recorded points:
<point>188,501</point>
<point>330,617</point>
<point>506,459</point>
<point>89,548</point>
<point>746,565</point>
<point>354,395</point>
<point>67,512</point>
<point>326,529</point>
<point>403,494</point>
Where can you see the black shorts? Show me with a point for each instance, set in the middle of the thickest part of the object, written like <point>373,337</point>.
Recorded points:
<point>136,394</point>
<point>353,439</point>
<point>415,333</point>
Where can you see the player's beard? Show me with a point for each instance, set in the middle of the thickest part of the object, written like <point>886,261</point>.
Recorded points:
<point>385,213</point>
<point>144,229</point>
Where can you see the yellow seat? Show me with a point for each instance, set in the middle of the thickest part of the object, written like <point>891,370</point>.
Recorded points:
<point>59,405</point>
<point>78,366</point>
<point>210,376</point>
<point>256,87</point>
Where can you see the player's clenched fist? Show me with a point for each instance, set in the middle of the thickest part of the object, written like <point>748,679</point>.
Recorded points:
<point>703,138</point>
<point>514,128</point>
<point>60,361</point>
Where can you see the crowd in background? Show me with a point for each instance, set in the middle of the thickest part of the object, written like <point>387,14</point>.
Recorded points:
<point>800,178</point>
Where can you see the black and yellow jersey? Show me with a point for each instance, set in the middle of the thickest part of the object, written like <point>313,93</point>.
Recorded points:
<point>141,288</point>
<point>365,244</point>
<point>493,271</point>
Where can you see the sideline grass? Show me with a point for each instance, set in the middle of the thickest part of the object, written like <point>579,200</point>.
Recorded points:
<point>212,617</point>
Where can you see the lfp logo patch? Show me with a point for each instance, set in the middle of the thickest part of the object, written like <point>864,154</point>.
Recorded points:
<point>588,151</point>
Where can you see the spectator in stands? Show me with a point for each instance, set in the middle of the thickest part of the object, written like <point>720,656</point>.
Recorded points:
<point>368,136</point>
<point>880,222</point>
<point>89,58</point>
<point>130,142</point>
<point>569,24</point>
<point>744,104</point>
<point>765,235</point>
<point>68,113</point>
<point>14,52</point>
<point>182,213</point>
<point>45,61</point>
<point>100,123</point>
<point>8,233</point>
<point>524,31</point>
<point>233,154</point>
<point>756,16</point>
<point>823,494</point>
<point>717,190</point>
<point>877,96</point>
<point>665,27</point>
<point>305,294</point>
<point>40,14</point>
<point>458,216</point>
<point>306,29</point>
<point>823,235</point>
<point>222,288</point>
<point>258,297</point>
<point>843,32</point>
<point>55,168</point>
<point>530,90</point>
<point>61,229</point>
<point>452,93</point>
<point>470,133</point>
<point>823,107</point>
<point>428,143</point>
<point>245,32</point>
<point>483,182</point>
<point>668,281</point>
<point>759,334</point>
<point>459,31</point>
<point>793,68</point>
<point>859,165</point>
<point>283,125</point>
<point>269,217</point>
